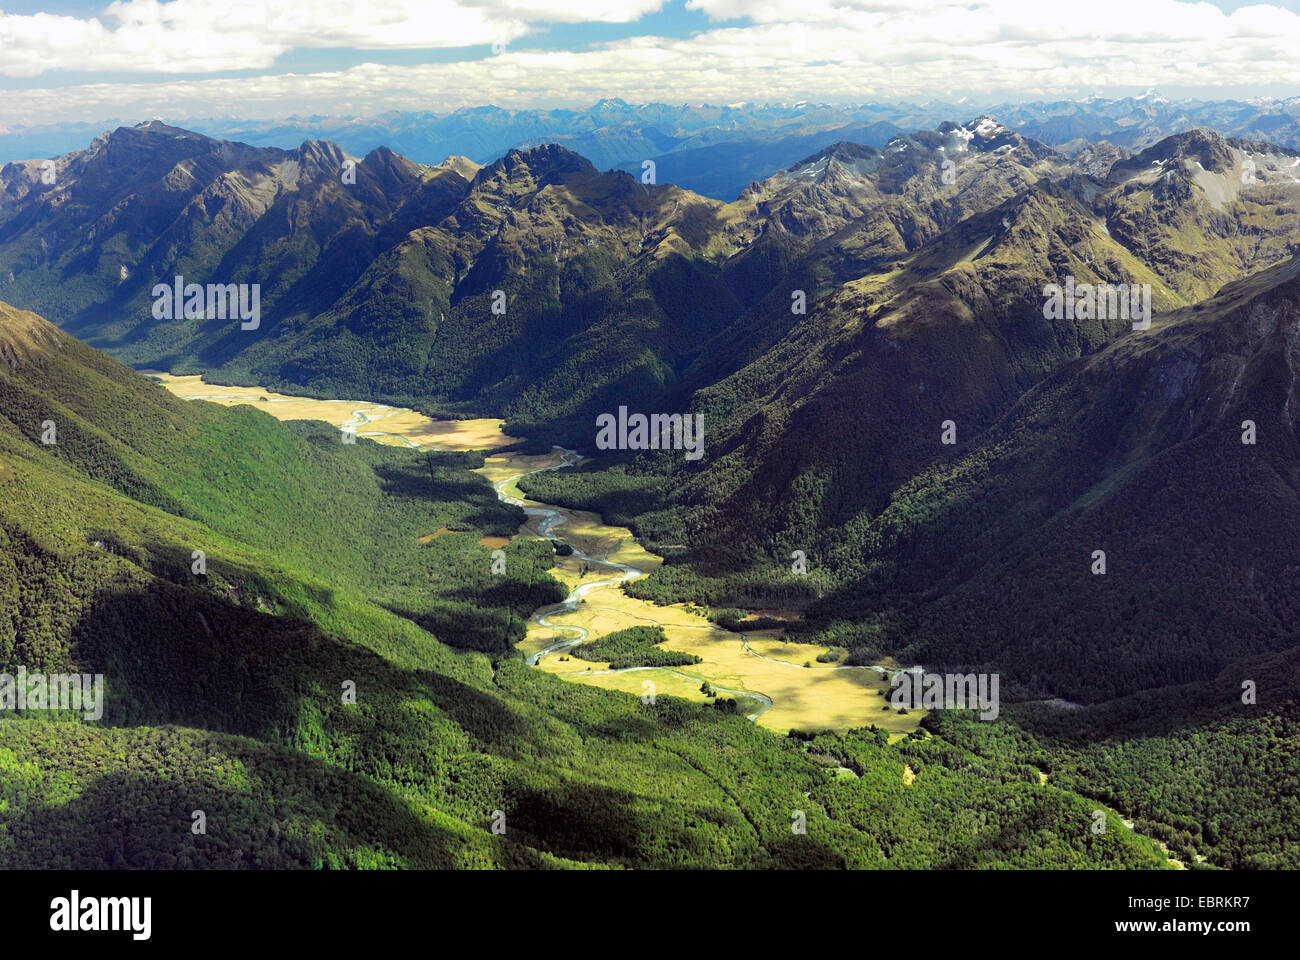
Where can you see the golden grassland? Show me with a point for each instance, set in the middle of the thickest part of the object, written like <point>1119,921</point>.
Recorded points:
<point>666,683</point>
<point>385,424</point>
<point>498,468</point>
<point>803,697</point>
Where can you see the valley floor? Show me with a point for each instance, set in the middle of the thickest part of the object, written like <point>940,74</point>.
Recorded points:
<point>780,685</point>
<point>395,425</point>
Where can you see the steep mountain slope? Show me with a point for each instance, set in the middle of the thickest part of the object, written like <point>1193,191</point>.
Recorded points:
<point>1137,451</point>
<point>913,188</point>
<point>899,258</point>
<point>847,210</point>
<point>828,438</point>
<point>1202,210</point>
<point>982,553</point>
<point>954,332</point>
<point>549,287</point>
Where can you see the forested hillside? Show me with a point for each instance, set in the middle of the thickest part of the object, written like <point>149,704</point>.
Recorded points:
<point>225,688</point>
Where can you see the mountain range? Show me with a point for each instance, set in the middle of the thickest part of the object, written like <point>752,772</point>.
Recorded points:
<point>715,150</point>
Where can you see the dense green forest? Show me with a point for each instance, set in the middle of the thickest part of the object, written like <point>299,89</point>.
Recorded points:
<point>1195,766</point>
<point>633,647</point>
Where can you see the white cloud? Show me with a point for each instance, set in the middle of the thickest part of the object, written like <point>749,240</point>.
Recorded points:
<point>819,50</point>
<point>197,36</point>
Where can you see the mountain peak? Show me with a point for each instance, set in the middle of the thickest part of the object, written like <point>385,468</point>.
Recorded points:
<point>466,167</point>
<point>151,142</point>
<point>325,153</point>
<point>985,126</point>
<point>984,133</point>
<point>842,150</point>
<point>156,128</point>
<point>856,158</point>
<point>158,125</point>
<point>544,160</point>
<point>1205,147</point>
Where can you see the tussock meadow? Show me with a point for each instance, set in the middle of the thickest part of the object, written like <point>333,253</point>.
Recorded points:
<point>927,504</point>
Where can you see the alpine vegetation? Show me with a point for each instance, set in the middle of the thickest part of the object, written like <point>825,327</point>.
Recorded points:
<point>658,431</point>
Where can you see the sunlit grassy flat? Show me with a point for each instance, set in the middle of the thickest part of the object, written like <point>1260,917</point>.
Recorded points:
<point>393,425</point>
<point>813,696</point>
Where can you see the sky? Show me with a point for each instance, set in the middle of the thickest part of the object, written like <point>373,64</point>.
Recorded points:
<point>65,60</point>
